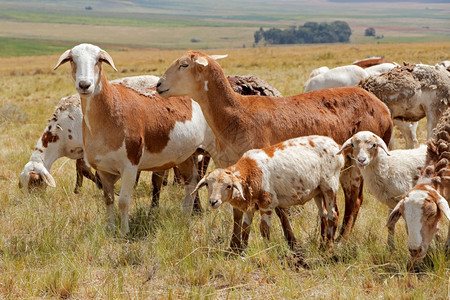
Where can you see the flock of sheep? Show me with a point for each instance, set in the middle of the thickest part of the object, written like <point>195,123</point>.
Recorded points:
<point>272,152</point>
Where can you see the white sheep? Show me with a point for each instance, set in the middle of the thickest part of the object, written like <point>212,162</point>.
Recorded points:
<point>126,130</point>
<point>318,71</point>
<point>387,174</point>
<point>340,76</point>
<point>282,175</point>
<point>381,68</point>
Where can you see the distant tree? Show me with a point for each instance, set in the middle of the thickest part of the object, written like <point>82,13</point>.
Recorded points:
<point>370,32</point>
<point>310,32</point>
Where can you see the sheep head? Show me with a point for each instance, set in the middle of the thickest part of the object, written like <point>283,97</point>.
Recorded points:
<point>86,60</point>
<point>223,186</point>
<point>363,147</point>
<point>422,208</point>
<point>34,175</point>
<point>187,75</point>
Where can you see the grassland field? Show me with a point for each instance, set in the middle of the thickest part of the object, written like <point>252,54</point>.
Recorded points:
<point>54,244</point>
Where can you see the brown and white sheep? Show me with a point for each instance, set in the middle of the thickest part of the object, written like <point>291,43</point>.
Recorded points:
<point>125,131</point>
<point>425,205</point>
<point>241,122</point>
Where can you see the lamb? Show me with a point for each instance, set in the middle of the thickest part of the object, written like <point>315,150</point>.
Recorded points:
<point>412,92</point>
<point>279,176</point>
<point>336,77</point>
<point>241,123</point>
<point>388,174</point>
<point>425,204</point>
<point>127,130</point>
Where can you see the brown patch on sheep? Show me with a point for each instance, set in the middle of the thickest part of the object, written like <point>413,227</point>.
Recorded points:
<point>48,137</point>
<point>271,150</point>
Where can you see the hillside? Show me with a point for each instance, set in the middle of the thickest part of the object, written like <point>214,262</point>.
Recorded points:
<point>202,24</point>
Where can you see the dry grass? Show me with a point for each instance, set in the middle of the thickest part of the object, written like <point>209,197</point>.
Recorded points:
<point>54,243</point>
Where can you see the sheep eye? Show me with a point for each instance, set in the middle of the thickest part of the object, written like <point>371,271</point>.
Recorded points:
<point>374,145</point>
<point>206,184</point>
<point>184,66</point>
<point>352,145</point>
<point>228,187</point>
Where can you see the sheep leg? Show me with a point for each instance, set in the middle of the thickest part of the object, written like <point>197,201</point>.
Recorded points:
<point>188,170</point>
<point>235,243</point>
<point>408,130</point>
<point>447,244</point>
<point>246,227</point>
<point>108,181</point>
<point>82,171</point>
<point>391,229</point>
<point>203,164</point>
<point>352,184</point>
<point>266,217</point>
<point>177,176</point>
<point>157,182</point>
<point>329,197</point>
<point>126,190</point>
<point>287,229</point>
<point>322,212</point>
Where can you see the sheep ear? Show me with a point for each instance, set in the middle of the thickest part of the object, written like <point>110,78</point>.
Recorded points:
<point>346,145</point>
<point>201,183</point>
<point>65,57</point>
<point>48,178</point>
<point>201,61</point>
<point>237,186</point>
<point>443,206</point>
<point>105,57</point>
<point>395,214</point>
<point>217,57</point>
<point>383,146</point>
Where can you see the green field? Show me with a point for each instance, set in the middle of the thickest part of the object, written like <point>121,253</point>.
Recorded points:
<point>54,244</point>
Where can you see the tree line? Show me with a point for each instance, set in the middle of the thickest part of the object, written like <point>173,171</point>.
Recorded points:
<point>308,33</point>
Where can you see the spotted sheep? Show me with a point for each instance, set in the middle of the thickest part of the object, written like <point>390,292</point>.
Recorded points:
<point>425,205</point>
<point>125,131</point>
<point>388,175</point>
<point>279,176</point>
<point>241,123</point>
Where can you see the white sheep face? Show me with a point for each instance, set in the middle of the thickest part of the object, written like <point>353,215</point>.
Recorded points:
<point>86,62</point>
<point>363,147</point>
<point>422,208</point>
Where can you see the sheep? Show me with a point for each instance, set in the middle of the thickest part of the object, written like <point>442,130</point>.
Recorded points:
<point>412,92</point>
<point>279,176</point>
<point>318,71</point>
<point>426,203</point>
<point>388,174</point>
<point>127,130</point>
<point>381,68</point>
<point>336,77</point>
<point>62,137</point>
<point>241,123</point>
<point>371,61</point>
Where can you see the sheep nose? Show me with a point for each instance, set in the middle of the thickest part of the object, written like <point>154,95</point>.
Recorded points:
<point>213,202</point>
<point>158,84</point>
<point>84,84</point>
<point>361,159</point>
<point>415,252</point>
